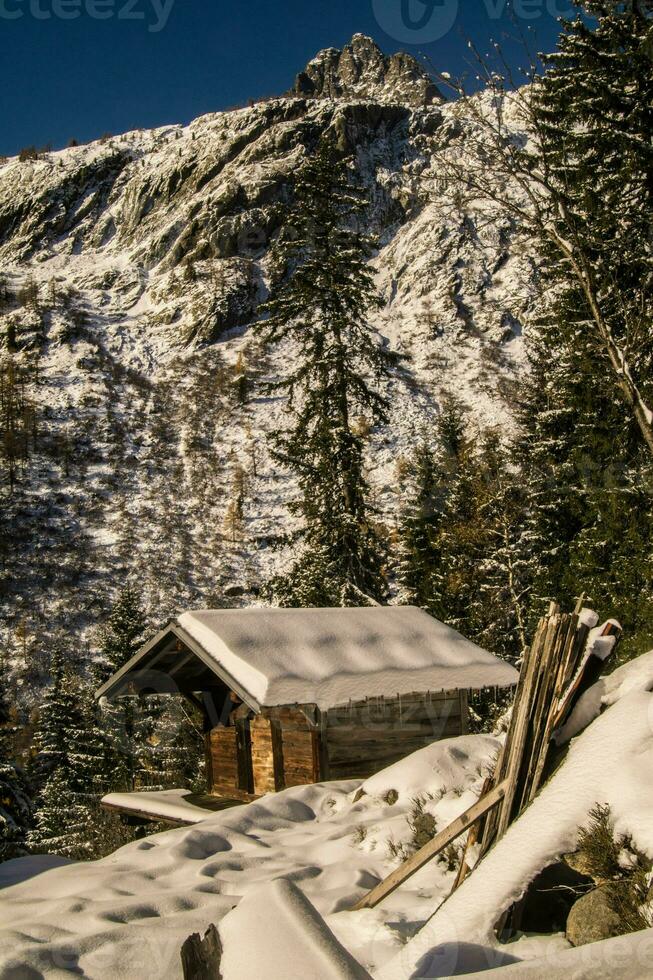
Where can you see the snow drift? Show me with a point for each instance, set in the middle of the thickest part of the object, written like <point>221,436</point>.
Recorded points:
<point>611,762</point>
<point>128,914</point>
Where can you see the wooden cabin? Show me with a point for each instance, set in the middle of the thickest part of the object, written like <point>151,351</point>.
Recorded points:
<point>296,696</point>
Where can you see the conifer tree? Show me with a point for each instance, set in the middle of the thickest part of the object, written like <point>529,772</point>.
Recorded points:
<point>123,633</point>
<point>320,305</point>
<point>126,722</point>
<point>588,481</point>
<point>595,149</point>
<point>68,768</point>
<point>16,807</point>
<point>418,527</point>
<point>586,461</point>
<point>581,184</point>
<point>464,551</point>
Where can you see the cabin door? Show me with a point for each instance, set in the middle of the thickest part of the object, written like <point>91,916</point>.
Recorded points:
<point>231,758</point>
<point>244,755</point>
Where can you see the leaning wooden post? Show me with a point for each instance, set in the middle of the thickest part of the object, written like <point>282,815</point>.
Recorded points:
<point>432,849</point>
<point>473,835</point>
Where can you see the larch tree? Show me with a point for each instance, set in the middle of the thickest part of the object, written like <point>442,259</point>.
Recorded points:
<point>319,309</point>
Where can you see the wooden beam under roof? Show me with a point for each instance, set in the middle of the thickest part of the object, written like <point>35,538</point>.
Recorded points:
<point>114,687</point>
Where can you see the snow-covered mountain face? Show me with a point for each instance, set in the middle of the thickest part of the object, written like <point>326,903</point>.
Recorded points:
<point>131,272</point>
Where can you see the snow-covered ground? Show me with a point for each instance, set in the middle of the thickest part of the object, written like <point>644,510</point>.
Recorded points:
<point>128,914</point>
<point>610,762</point>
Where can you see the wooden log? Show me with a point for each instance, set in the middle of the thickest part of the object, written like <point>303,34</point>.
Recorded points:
<point>473,836</point>
<point>200,958</point>
<point>432,849</point>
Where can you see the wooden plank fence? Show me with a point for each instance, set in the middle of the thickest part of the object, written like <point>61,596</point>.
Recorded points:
<point>556,670</point>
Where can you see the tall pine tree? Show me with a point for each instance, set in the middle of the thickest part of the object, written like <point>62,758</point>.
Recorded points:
<point>68,768</point>
<point>123,632</point>
<point>584,452</point>
<point>16,808</point>
<point>319,308</point>
<point>595,150</point>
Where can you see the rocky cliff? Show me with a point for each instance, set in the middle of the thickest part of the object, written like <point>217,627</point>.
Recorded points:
<point>361,71</point>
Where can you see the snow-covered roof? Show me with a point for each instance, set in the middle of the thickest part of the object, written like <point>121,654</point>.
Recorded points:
<point>331,656</point>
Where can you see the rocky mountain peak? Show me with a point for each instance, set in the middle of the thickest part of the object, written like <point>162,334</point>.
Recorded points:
<point>360,70</point>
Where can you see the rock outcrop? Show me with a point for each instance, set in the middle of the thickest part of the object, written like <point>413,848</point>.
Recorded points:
<point>592,918</point>
<point>360,70</point>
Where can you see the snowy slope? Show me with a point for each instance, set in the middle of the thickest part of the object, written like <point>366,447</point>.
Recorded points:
<point>133,267</point>
<point>611,763</point>
<point>128,914</point>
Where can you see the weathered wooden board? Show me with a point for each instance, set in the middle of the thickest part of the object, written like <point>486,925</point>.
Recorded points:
<point>300,756</point>
<point>224,758</point>
<point>355,751</point>
<point>432,849</point>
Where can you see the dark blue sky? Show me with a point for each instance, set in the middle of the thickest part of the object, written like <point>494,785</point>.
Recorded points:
<point>83,76</point>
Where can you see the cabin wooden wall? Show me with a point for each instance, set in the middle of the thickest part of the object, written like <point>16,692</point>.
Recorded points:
<point>365,737</point>
<point>284,750</point>
<point>287,746</point>
<point>266,766</point>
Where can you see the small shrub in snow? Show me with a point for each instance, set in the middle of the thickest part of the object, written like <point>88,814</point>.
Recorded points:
<point>451,856</point>
<point>360,833</point>
<point>422,825</point>
<point>615,861</point>
<point>398,849</point>
<point>598,850</point>
<point>628,899</point>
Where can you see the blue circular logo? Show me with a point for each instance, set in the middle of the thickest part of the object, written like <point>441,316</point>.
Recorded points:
<point>416,21</point>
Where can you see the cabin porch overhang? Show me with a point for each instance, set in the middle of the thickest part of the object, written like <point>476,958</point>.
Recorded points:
<point>160,667</point>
